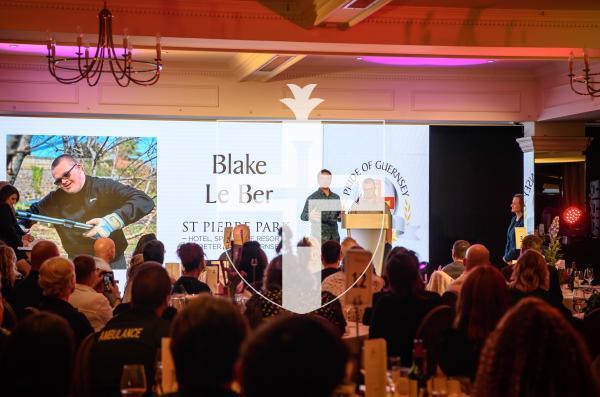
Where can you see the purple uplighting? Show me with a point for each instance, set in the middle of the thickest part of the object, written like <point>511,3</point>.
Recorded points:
<point>41,49</point>
<point>418,61</point>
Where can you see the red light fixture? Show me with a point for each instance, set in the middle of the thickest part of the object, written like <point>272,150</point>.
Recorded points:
<point>572,215</point>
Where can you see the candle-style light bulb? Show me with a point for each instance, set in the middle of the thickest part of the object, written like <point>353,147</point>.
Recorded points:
<point>79,36</point>
<point>571,63</point>
<point>49,43</point>
<point>125,39</point>
<point>586,59</point>
<point>158,47</point>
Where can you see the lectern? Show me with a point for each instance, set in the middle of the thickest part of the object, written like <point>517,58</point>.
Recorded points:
<point>369,229</point>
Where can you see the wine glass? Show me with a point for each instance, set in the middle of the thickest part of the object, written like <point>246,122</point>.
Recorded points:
<point>577,277</point>
<point>578,300</point>
<point>589,275</point>
<point>133,380</point>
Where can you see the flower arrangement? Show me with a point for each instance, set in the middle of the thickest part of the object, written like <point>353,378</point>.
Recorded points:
<point>552,253</point>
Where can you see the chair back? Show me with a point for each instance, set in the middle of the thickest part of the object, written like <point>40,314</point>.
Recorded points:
<point>591,326</point>
<point>81,373</point>
<point>434,325</point>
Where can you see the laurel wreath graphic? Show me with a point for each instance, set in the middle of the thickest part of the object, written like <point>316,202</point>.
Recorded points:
<point>406,211</point>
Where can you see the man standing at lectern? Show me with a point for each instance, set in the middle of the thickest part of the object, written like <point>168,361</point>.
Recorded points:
<point>329,219</point>
<point>105,204</point>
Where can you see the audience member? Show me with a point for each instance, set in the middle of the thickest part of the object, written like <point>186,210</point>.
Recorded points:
<point>10,231</point>
<point>268,303</point>
<point>330,258</point>
<point>252,263</point>
<point>534,352</point>
<point>533,242</point>
<point>477,255</point>
<point>28,292</point>
<point>133,336</point>
<point>531,278</point>
<point>57,280</point>
<point>192,260</point>
<point>482,302</point>
<point>295,356</point>
<point>154,251</point>
<point>457,267</point>
<point>104,249</point>
<point>346,245</point>
<point>38,357</point>
<point>85,298</point>
<point>336,285</point>
<point>3,331</point>
<point>139,247</point>
<point>206,338</point>
<point>8,271</point>
<point>136,260</point>
<point>397,315</point>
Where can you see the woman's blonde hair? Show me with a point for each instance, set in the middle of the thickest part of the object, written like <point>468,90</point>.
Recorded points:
<point>57,276</point>
<point>530,273</point>
<point>8,264</point>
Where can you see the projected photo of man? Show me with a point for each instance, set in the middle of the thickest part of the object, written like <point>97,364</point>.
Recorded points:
<point>105,204</point>
<point>108,185</point>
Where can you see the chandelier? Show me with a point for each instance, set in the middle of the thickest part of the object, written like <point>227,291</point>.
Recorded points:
<point>585,83</point>
<point>105,58</point>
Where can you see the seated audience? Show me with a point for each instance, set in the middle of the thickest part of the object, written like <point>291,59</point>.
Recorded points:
<point>136,260</point>
<point>531,278</point>
<point>534,351</point>
<point>397,315</point>
<point>38,357</point>
<point>261,307</point>
<point>457,267</point>
<point>482,302</point>
<point>192,260</point>
<point>533,242</point>
<point>28,292</point>
<point>57,279</point>
<point>347,244</point>
<point>139,247</point>
<point>92,304</point>
<point>268,304</point>
<point>3,331</point>
<point>293,356</point>
<point>253,262</point>
<point>133,336</point>
<point>331,256</point>
<point>336,285</point>
<point>154,251</point>
<point>206,339</point>
<point>477,255</point>
<point>8,271</point>
<point>104,250</point>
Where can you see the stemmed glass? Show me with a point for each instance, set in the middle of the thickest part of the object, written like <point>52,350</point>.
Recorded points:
<point>589,275</point>
<point>133,380</point>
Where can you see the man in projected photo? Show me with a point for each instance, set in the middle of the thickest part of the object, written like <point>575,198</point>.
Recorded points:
<point>106,204</point>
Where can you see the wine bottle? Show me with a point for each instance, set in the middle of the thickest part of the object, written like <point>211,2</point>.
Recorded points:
<point>417,375</point>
